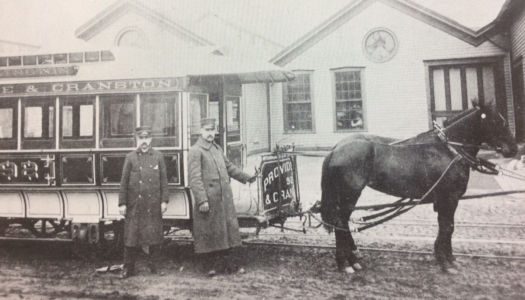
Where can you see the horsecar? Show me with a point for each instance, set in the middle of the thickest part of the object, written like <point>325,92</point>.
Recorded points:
<point>67,120</point>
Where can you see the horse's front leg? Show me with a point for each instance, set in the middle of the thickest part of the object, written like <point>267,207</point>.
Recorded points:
<point>443,243</point>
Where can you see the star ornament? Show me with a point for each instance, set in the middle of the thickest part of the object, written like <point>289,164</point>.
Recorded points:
<point>380,45</point>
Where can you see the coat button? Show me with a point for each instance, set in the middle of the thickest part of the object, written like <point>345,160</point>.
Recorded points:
<point>150,180</point>
<point>140,196</point>
<point>140,168</point>
<point>140,181</point>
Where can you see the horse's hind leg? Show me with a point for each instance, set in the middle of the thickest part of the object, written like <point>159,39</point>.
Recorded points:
<point>443,243</point>
<point>344,241</point>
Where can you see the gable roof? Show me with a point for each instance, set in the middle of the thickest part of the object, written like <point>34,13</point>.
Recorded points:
<point>408,7</point>
<point>121,7</point>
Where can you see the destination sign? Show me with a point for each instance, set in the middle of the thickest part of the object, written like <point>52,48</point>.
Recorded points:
<point>91,87</point>
<point>278,183</point>
<point>38,72</point>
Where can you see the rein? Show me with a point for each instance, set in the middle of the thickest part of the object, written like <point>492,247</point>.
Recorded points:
<point>478,164</point>
<point>397,212</point>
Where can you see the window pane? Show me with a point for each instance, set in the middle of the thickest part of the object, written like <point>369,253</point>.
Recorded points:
<point>6,123</point>
<point>439,89</point>
<point>349,104</point>
<point>51,121</point>
<point>76,57</point>
<point>154,115</point>
<point>198,106</point>
<point>86,120</point>
<point>455,89</point>
<point>45,59</point>
<point>349,115</point>
<point>60,58</point>
<point>92,56</point>
<point>233,113</point>
<point>15,61</point>
<point>472,85</point>
<point>33,122</point>
<point>298,108</point>
<point>122,118</point>
<point>29,60</point>
<point>67,121</point>
<point>489,90</point>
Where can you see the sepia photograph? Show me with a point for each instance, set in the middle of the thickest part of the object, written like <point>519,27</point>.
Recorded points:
<point>262,149</point>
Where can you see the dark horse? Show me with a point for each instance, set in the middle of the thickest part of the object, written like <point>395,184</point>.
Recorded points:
<point>408,169</point>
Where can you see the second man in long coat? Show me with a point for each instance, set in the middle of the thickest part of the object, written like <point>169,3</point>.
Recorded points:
<point>215,225</point>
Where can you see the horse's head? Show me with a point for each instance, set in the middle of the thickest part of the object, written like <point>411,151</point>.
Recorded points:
<point>495,130</point>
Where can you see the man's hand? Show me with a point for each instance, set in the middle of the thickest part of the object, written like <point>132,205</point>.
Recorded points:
<point>204,207</point>
<point>122,210</point>
<point>163,207</point>
<point>252,179</point>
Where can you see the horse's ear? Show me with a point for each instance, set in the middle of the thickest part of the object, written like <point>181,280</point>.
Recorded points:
<point>475,102</point>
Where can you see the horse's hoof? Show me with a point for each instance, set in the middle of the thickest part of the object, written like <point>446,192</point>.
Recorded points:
<point>451,258</point>
<point>357,253</point>
<point>349,270</point>
<point>357,267</point>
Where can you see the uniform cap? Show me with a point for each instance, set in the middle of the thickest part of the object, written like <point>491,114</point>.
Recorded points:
<point>206,122</point>
<point>143,131</point>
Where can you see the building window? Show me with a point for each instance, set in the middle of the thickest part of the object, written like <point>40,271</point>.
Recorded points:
<point>454,86</point>
<point>297,101</point>
<point>132,38</point>
<point>349,100</point>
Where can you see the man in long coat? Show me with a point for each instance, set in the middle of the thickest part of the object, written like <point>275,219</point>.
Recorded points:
<point>215,225</point>
<point>143,198</point>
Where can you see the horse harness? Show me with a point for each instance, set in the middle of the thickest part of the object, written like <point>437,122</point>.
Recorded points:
<point>458,149</point>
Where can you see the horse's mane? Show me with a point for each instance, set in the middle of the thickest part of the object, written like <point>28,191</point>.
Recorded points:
<point>451,120</point>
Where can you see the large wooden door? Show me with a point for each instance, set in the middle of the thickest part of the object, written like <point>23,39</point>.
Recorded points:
<point>454,86</point>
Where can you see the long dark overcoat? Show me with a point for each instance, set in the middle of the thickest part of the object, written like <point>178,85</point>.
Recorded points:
<point>144,185</point>
<point>210,173</point>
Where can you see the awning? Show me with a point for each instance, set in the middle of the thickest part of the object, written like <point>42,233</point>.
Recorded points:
<point>194,63</point>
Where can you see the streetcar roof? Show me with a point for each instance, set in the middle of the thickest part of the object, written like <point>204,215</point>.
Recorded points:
<point>133,63</point>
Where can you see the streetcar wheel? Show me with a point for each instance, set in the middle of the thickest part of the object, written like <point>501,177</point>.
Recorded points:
<point>110,243</point>
<point>42,228</point>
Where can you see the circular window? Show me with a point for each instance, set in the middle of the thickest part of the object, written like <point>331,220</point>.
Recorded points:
<point>380,45</point>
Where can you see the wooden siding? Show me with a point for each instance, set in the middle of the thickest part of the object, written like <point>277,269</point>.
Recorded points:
<point>395,92</point>
<point>256,122</point>
<point>517,36</point>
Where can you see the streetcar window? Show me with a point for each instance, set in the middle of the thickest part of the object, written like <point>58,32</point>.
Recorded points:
<point>118,114</point>
<point>3,61</point>
<point>33,125</point>
<point>77,117</point>
<point>158,111</point>
<point>77,121</point>
<point>86,120</point>
<point>6,123</point>
<point>29,60</point>
<point>92,56</point>
<point>51,124</point>
<point>35,121</point>
<point>45,59</point>
<point>67,121</point>
<point>15,61</point>
<point>76,57</point>
<point>122,118</point>
<point>60,58</point>
<point>107,56</point>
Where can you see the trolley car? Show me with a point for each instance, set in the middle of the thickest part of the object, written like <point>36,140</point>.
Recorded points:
<point>67,121</point>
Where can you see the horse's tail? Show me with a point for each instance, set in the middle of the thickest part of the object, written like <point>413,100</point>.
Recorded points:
<point>329,194</point>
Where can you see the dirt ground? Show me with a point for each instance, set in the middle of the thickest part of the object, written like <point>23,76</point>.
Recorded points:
<point>493,226</point>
